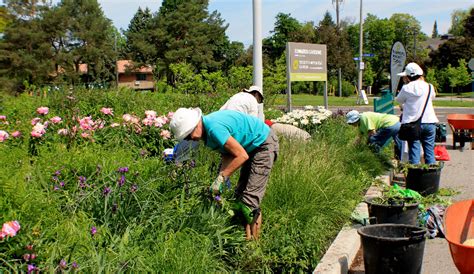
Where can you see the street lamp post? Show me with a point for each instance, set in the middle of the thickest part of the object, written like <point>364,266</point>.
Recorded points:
<point>361,30</point>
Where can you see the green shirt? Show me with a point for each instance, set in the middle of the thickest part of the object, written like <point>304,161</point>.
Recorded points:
<point>250,132</point>
<point>374,121</point>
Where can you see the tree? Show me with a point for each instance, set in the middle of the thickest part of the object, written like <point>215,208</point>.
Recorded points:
<point>408,31</point>
<point>469,25</point>
<point>435,34</point>
<point>25,51</point>
<point>285,29</point>
<point>83,35</point>
<point>138,47</point>
<point>464,77</point>
<point>184,31</point>
<point>339,53</point>
<point>457,22</point>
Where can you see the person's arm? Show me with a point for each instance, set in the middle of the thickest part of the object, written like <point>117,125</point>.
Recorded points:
<point>234,158</point>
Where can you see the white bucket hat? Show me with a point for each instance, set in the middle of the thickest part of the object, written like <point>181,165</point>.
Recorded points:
<point>352,116</point>
<point>412,69</point>
<point>254,88</point>
<point>184,121</point>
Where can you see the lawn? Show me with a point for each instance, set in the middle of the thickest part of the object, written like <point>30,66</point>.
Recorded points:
<point>99,197</point>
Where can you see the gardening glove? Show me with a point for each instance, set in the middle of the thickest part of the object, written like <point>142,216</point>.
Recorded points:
<point>245,210</point>
<point>217,186</point>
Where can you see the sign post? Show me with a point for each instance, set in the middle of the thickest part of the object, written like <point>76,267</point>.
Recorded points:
<point>398,57</point>
<point>306,62</point>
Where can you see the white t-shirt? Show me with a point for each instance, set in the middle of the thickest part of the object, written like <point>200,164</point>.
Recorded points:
<point>244,102</point>
<point>412,98</point>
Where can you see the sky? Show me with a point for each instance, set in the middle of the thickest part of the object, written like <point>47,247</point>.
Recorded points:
<point>238,13</point>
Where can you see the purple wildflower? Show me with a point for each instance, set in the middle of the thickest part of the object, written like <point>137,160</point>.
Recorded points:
<point>31,268</point>
<point>55,178</point>
<point>61,184</point>
<point>74,265</point>
<point>192,163</point>
<point>121,180</point>
<point>106,191</point>
<point>123,169</point>
<point>55,187</point>
<point>93,230</point>
<point>134,188</point>
<point>63,264</point>
<point>57,172</point>
<point>217,198</point>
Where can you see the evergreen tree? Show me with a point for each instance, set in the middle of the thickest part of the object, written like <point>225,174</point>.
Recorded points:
<point>83,35</point>
<point>184,31</point>
<point>434,34</point>
<point>139,46</point>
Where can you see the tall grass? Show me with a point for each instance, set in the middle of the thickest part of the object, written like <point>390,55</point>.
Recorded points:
<point>162,218</point>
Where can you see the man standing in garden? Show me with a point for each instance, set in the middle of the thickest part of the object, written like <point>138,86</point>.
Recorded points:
<point>378,127</point>
<point>244,142</point>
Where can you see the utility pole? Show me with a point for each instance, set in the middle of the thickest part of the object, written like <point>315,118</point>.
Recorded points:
<point>361,35</point>
<point>257,51</point>
<point>257,44</point>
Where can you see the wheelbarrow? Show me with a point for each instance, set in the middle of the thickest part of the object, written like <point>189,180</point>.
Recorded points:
<point>462,126</point>
<point>459,227</point>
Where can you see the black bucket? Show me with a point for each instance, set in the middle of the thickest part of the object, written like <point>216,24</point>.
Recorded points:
<point>424,181</point>
<point>392,248</point>
<point>396,213</point>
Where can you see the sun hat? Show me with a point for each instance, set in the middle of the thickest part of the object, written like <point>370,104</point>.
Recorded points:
<point>352,116</point>
<point>254,88</point>
<point>184,121</point>
<point>412,69</point>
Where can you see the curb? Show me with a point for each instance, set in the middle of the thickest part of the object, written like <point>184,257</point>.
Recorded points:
<point>343,250</point>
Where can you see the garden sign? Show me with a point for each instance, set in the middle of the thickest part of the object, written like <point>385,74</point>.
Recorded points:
<point>306,62</point>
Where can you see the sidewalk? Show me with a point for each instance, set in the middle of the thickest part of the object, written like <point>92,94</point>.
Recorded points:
<point>459,175</point>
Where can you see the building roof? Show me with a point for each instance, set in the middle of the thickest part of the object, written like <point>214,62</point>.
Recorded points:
<point>127,65</point>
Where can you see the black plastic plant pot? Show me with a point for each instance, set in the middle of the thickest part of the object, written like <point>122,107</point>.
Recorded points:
<point>392,248</point>
<point>423,180</point>
<point>396,213</point>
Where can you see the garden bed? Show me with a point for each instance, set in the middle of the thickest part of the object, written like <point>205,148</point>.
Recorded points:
<point>106,201</point>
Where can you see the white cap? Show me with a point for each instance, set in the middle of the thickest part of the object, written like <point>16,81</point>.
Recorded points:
<point>184,121</point>
<point>352,116</point>
<point>254,88</point>
<point>412,69</point>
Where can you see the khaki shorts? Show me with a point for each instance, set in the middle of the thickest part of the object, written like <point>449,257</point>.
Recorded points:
<point>255,172</point>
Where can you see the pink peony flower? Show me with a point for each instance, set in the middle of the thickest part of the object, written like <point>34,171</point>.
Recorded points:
<point>147,121</point>
<point>9,229</point>
<point>170,115</point>
<point>127,118</point>
<point>56,120</point>
<point>150,114</point>
<point>115,125</point>
<point>42,110</point>
<point>63,132</point>
<point>165,134</point>
<point>85,135</point>
<point>86,123</point>
<point>3,135</point>
<point>34,121</point>
<point>107,111</point>
<point>38,130</point>
<point>3,118</point>
<point>16,134</point>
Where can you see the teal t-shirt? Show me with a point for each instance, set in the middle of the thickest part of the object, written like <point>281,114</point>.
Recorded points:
<point>250,132</point>
<point>375,121</point>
